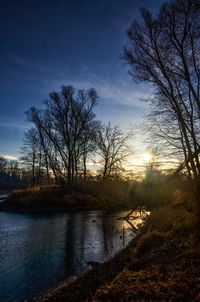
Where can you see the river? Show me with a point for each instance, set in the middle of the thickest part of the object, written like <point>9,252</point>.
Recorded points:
<point>3,196</point>
<point>39,251</point>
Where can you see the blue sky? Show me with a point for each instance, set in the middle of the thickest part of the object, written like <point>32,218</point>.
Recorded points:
<point>45,44</point>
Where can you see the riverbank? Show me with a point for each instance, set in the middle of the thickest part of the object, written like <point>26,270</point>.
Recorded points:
<point>52,199</point>
<point>93,195</point>
<point>161,264</point>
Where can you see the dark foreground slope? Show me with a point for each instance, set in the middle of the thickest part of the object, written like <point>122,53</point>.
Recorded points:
<point>161,264</point>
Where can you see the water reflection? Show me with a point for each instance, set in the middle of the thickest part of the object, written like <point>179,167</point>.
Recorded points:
<point>39,251</point>
<point>3,196</point>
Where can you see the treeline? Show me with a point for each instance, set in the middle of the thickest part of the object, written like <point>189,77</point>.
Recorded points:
<point>11,175</point>
<point>66,136</point>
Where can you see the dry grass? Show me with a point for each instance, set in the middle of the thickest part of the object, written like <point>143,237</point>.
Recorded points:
<point>113,191</point>
<point>49,198</point>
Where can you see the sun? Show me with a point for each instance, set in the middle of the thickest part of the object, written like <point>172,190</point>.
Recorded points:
<point>147,156</point>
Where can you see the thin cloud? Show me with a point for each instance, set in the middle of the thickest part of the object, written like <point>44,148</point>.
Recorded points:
<point>10,157</point>
<point>17,125</point>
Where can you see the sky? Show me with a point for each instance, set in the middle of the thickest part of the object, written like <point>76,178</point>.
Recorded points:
<point>46,44</point>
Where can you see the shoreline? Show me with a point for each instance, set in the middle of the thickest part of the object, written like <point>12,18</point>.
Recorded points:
<point>13,208</point>
<point>51,199</point>
<point>162,263</point>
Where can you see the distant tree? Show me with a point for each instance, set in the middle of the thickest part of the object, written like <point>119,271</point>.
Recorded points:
<point>46,153</point>
<point>89,146</point>
<point>10,174</point>
<point>3,164</point>
<point>152,174</point>
<point>12,167</point>
<point>31,153</point>
<point>113,149</point>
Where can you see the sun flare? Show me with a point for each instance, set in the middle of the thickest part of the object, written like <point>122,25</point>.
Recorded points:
<point>147,156</point>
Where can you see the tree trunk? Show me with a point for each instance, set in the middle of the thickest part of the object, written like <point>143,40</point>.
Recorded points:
<point>84,167</point>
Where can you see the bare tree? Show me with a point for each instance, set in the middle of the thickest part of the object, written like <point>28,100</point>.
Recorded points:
<point>3,164</point>
<point>31,153</point>
<point>164,51</point>
<point>113,149</point>
<point>65,130</point>
<point>10,173</point>
<point>89,146</point>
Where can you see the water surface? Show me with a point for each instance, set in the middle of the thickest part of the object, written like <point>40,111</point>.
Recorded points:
<point>3,196</point>
<point>38,251</point>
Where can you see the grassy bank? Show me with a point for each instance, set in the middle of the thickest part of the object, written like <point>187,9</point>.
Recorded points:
<point>162,264</point>
<point>47,199</point>
<point>91,195</point>
<point>114,194</point>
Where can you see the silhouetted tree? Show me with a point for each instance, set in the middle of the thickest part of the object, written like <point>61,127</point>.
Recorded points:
<point>32,154</point>
<point>164,51</point>
<point>112,148</point>
<point>66,128</point>
<point>10,174</point>
<point>3,164</point>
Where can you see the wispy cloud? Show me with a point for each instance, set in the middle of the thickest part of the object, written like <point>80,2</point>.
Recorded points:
<point>111,91</point>
<point>10,157</point>
<point>16,125</point>
<point>20,62</point>
<point>113,86</point>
